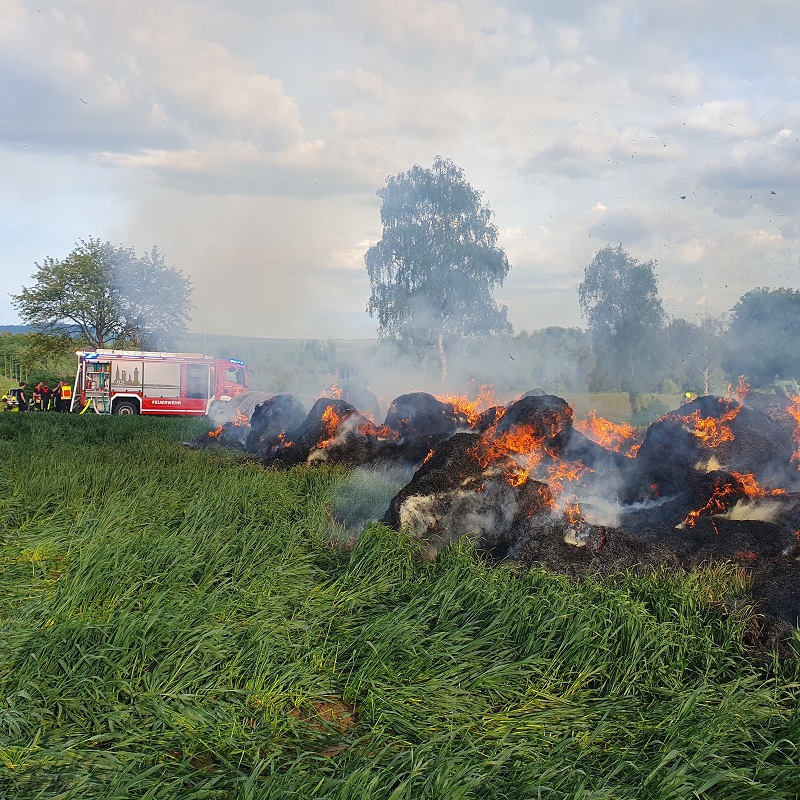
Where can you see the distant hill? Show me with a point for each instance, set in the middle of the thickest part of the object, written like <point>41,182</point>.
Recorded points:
<point>15,329</point>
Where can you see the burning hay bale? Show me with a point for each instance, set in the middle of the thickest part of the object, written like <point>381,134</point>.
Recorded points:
<point>271,420</point>
<point>454,494</point>
<point>363,400</point>
<point>708,434</point>
<point>495,485</point>
<point>334,432</point>
<point>681,508</point>
<point>231,434</point>
<point>316,431</point>
<point>420,414</point>
<point>712,480</point>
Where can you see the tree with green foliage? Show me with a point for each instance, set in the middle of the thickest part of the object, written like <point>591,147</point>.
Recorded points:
<point>433,271</point>
<point>763,341</point>
<point>106,296</point>
<point>693,354</point>
<point>619,299</point>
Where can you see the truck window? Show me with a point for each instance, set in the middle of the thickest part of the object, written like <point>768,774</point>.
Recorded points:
<point>235,375</point>
<point>197,381</point>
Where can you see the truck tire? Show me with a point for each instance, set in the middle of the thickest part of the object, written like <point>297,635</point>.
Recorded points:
<point>125,407</point>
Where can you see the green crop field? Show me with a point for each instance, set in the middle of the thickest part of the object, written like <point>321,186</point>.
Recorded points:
<point>183,624</point>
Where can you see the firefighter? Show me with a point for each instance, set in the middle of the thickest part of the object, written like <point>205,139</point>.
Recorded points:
<point>64,397</point>
<point>22,398</point>
<point>47,396</point>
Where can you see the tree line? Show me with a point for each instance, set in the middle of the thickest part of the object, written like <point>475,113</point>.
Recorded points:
<point>434,269</point>
<point>432,276</point>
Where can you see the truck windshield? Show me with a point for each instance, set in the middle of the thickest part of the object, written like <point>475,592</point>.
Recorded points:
<point>236,375</point>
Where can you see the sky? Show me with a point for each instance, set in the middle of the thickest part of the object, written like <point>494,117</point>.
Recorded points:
<point>247,139</point>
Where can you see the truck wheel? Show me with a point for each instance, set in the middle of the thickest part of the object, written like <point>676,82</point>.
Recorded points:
<point>125,407</point>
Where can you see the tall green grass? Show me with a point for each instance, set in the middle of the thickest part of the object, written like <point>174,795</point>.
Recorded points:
<point>174,623</point>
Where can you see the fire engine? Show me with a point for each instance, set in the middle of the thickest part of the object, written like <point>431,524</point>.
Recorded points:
<point>137,382</point>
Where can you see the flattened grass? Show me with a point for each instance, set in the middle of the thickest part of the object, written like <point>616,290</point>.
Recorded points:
<point>175,624</point>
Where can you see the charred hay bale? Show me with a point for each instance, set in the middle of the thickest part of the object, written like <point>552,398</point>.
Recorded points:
<point>363,400</point>
<point>789,520</point>
<point>652,515</point>
<point>764,550</point>
<point>421,414</point>
<point>665,464</point>
<point>407,452</point>
<point>212,438</point>
<point>452,495</point>
<point>548,417</point>
<point>578,549</point>
<point>776,407</point>
<point>222,411</point>
<point>230,434</point>
<point>748,441</point>
<point>271,419</point>
<point>749,543</point>
<point>318,427</point>
<point>447,466</point>
<point>355,442</point>
<point>707,434</point>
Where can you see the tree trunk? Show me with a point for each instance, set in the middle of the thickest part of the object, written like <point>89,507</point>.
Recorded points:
<point>442,357</point>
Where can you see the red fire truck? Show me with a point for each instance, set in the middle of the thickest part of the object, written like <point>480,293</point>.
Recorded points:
<point>137,382</point>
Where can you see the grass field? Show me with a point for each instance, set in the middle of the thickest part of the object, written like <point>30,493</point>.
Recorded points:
<point>179,624</point>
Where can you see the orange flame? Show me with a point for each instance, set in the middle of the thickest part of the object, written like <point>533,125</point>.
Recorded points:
<point>523,444</point>
<point>521,441</point>
<point>240,419</point>
<point>331,420</point>
<point>335,392</point>
<point>471,409</point>
<point>794,411</point>
<point>711,431</point>
<point>741,391</point>
<point>517,475</point>
<point>382,432</point>
<point>750,487</point>
<point>619,437</point>
<point>564,472</point>
<point>572,512</point>
<point>725,494</point>
<point>216,432</point>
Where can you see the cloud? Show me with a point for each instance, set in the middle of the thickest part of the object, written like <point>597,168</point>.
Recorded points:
<point>766,163</point>
<point>359,83</point>
<point>682,83</point>
<point>599,152</point>
<point>247,140</point>
<point>727,117</point>
<point>619,225</point>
